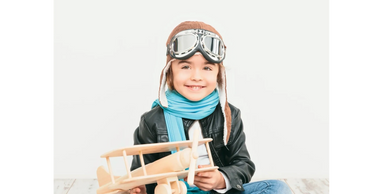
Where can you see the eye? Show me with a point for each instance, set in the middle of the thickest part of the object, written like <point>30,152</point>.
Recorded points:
<point>185,67</point>
<point>207,68</point>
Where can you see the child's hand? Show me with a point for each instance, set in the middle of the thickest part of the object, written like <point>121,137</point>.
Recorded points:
<point>138,190</point>
<point>209,180</point>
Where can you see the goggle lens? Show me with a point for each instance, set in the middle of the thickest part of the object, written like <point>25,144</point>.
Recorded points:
<point>184,44</point>
<point>214,45</point>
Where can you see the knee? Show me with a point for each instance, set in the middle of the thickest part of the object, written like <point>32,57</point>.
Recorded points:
<point>280,187</point>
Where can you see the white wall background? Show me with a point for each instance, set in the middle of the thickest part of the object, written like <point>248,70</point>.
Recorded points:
<point>108,56</point>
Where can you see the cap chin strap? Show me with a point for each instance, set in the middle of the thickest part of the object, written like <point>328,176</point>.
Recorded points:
<point>221,92</point>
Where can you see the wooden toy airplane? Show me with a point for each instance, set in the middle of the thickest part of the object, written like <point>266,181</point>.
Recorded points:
<point>165,171</point>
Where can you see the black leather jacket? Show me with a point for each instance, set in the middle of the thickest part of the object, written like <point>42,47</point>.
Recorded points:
<point>233,159</point>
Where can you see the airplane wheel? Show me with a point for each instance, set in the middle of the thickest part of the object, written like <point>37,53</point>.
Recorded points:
<point>162,189</point>
<point>183,187</point>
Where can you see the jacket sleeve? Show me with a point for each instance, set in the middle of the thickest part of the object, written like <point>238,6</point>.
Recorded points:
<point>144,135</point>
<point>239,168</point>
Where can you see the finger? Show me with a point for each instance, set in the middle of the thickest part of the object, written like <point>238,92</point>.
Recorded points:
<point>202,186</point>
<point>206,174</point>
<point>135,190</point>
<point>204,166</point>
<point>202,182</point>
<point>142,187</point>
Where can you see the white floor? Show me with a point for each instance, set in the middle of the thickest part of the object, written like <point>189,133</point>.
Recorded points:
<point>86,186</point>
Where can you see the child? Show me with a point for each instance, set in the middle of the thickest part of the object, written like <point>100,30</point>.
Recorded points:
<point>196,98</point>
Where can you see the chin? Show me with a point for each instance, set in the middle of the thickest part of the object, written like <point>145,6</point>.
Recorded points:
<point>195,98</point>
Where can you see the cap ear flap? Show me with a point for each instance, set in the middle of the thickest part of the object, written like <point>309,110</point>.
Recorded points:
<point>163,83</point>
<point>224,104</point>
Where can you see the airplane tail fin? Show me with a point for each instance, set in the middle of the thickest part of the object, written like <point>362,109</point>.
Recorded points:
<point>103,176</point>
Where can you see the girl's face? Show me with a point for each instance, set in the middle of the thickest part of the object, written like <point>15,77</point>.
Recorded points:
<point>194,78</point>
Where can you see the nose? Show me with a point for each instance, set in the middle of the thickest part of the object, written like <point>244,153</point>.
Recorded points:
<point>196,75</point>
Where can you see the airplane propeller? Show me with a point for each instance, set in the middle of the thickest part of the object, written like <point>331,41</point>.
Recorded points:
<point>194,156</point>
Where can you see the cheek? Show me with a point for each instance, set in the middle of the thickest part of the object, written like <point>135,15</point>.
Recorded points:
<point>178,77</point>
<point>212,78</point>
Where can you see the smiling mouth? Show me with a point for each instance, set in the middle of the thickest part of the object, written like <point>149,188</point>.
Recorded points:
<point>195,87</point>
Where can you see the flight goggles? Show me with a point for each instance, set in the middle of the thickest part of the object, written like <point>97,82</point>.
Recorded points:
<point>187,42</point>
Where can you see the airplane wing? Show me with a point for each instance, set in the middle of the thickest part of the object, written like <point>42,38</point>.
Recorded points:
<point>153,148</point>
<point>137,181</point>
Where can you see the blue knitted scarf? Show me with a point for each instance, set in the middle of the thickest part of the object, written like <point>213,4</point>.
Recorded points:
<point>180,107</point>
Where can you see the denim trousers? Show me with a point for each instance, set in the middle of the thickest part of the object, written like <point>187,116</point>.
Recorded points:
<point>258,187</point>
<point>267,187</point>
